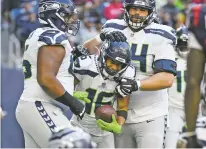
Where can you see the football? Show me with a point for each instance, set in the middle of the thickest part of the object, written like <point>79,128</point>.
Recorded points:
<point>105,113</point>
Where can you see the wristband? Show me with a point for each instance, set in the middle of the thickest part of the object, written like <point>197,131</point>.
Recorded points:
<point>122,113</point>
<point>75,105</point>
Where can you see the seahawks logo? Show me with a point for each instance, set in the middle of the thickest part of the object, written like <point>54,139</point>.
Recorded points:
<point>49,6</point>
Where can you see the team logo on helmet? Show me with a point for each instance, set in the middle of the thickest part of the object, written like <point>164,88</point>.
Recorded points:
<point>49,6</point>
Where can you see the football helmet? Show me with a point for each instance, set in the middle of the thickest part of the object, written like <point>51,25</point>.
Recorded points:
<point>71,137</point>
<point>60,14</point>
<point>182,41</point>
<point>145,4</point>
<point>114,53</point>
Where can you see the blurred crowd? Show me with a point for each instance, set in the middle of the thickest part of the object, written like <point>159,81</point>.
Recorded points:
<point>20,16</point>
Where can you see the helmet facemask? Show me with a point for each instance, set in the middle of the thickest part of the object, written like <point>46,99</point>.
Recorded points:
<point>112,67</point>
<point>72,24</point>
<point>142,21</point>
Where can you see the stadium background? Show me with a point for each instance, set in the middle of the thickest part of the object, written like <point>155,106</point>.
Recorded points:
<point>19,19</point>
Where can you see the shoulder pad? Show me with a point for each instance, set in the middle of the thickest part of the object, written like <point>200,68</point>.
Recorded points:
<point>84,65</point>
<point>83,62</point>
<point>130,72</point>
<point>115,24</point>
<point>53,37</point>
<point>164,31</point>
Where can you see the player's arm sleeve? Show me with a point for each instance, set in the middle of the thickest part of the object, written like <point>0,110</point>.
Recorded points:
<point>52,37</point>
<point>164,56</point>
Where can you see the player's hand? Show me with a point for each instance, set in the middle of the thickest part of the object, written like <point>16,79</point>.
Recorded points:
<point>81,95</point>
<point>112,127</point>
<point>126,87</point>
<point>79,51</point>
<point>188,140</point>
<point>112,35</point>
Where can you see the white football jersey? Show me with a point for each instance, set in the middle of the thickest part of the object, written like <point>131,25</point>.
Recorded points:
<point>38,38</point>
<point>101,92</point>
<point>153,44</point>
<point>177,91</point>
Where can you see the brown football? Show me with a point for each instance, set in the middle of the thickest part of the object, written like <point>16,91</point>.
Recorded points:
<point>105,113</point>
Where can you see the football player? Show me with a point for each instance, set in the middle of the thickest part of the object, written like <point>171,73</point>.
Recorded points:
<point>153,54</point>
<point>176,92</point>
<point>99,75</point>
<point>47,82</point>
<point>195,132</point>
<point>48,86</point>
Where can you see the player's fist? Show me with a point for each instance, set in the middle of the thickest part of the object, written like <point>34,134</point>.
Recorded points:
<point>112,35</point>
<point>126,87</point>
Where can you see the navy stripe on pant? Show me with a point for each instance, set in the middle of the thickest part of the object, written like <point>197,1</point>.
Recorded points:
<point>45,116</point>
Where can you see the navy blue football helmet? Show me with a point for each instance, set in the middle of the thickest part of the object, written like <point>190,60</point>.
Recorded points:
<point>182,35</point>
<point>150,5</point>
<point>60,14</point>
<point>71,137</point>
<point>118,53</point>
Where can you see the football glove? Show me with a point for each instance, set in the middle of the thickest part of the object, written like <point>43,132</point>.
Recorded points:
<point>126,87</point>
<point>79,51</point>
<point>112,35</point>
<point>111,127</point>
<point>81,95</point>
<point>188,140</point>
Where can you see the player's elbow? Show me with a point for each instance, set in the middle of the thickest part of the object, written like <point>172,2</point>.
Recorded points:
<point>169,83</point>
<point>44,79</point>
<point>167,80</point>
<point>91,46</point>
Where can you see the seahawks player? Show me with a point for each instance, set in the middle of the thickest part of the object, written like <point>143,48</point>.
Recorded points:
<point>47,82</point>
<point>176,92</point>
<point>152,47</point>
<point>195,132</point>
<point>99,75</point>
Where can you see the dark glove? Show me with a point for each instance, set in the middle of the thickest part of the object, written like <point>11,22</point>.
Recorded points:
<point>107,34</point>
<point>79,51</point>
<point>126,87</point>
<point>188,140</point>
